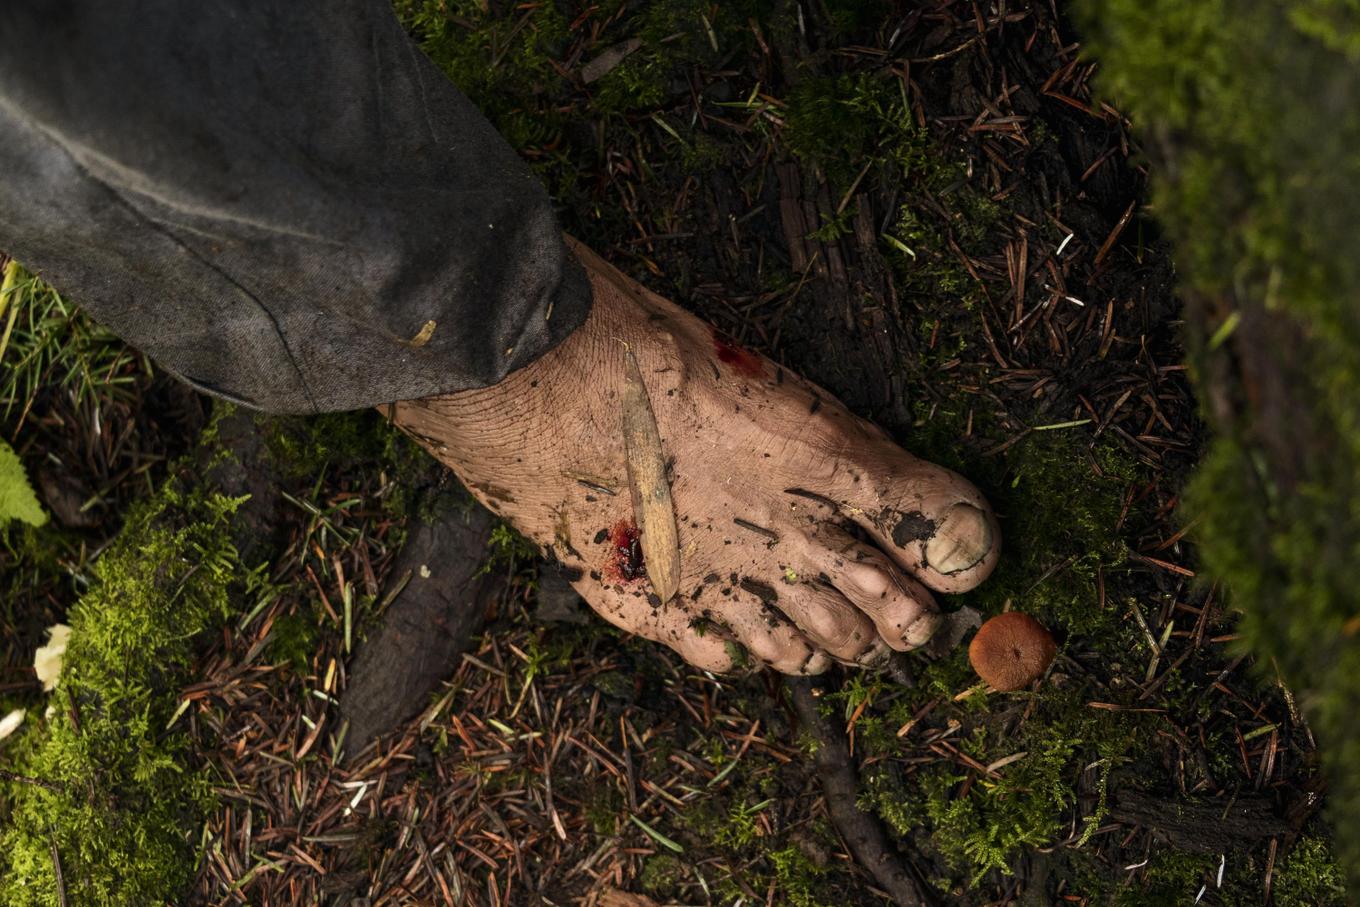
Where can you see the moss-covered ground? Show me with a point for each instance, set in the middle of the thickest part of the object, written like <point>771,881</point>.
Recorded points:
<point>1009,311</point>
<point>1273,315</point>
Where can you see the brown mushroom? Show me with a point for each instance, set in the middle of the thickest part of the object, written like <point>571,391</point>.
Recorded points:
<point>1011,651</point>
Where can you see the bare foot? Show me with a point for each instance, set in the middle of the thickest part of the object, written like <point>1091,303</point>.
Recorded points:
<point>769,474</point>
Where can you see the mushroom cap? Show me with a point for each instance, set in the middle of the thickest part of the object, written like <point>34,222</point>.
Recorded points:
<point>1011,651</point>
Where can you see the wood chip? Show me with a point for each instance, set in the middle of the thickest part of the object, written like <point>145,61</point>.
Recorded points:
<point>606,61</point>
<point>652,506</point>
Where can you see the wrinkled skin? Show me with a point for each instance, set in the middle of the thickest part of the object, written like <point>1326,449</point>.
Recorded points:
<point>768,472</point>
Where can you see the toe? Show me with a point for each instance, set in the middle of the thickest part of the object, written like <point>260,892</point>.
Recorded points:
<point>828,620</point>
<point>705,647</point>
<point>934,523</point>
<point>902,610</point>
<point>771,638</point>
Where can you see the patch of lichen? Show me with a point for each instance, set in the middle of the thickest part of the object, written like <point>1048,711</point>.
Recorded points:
<point>1257,189</point>
<point>118,802</point>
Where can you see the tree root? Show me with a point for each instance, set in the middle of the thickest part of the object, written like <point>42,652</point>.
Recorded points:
<point>840,784</point>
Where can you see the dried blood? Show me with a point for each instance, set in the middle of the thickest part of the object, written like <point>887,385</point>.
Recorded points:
<point>625,552</point>
<point>742,360</point>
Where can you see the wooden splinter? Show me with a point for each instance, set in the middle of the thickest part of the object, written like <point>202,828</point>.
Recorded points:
<point>653,510</point>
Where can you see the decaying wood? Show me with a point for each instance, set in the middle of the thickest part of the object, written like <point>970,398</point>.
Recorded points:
<point>847,286</point>
<point>439,598</point>
<point>1202,826</point>
<point>652,507</point>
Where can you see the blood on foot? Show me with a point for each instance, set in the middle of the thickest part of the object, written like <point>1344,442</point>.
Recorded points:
<point>742,360</point>
<point>625,553</point>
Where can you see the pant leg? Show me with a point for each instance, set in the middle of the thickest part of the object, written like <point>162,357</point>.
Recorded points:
<point>281,201</point>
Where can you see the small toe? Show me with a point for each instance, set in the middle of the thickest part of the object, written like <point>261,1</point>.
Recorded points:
<point>903,611</point>
<point>770,637</point>
<point>829,620</point>
<point>707,648</point>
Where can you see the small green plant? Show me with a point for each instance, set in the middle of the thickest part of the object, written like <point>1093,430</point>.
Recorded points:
<point>798,877</point>
<point>17,500</point>
<point>507,551</point>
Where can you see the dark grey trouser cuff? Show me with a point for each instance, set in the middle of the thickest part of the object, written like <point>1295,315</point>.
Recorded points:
<point>283,202</point>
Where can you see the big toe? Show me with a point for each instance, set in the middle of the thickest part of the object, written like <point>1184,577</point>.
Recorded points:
<point>964,537</point>
<point>936,524</point>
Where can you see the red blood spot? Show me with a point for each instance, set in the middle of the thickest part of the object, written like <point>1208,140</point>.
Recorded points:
<point>742,360</point>
<point>625,553</point>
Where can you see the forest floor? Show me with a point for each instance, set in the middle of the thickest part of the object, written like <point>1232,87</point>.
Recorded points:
<point>930,212</point>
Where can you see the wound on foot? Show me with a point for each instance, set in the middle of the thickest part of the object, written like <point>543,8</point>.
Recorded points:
<point>731,353</point>
<point>625,553</point>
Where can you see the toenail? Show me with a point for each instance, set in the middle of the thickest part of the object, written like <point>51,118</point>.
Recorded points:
<point>876,653</point>
<point>923,629</point>
<point>961,540</point>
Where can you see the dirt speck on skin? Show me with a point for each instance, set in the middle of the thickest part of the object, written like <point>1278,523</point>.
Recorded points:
<point>760,590</point>
<point>494,492</point>
<point>913,526</point>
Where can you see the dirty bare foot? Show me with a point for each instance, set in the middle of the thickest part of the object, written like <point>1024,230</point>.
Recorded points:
<point>805,534</point>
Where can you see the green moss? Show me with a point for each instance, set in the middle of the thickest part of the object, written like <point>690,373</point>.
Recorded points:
<point>122,804</point>
<point>292,640</point>
<point>860,122</point>
<point>502,62</point>
<point>1170,877</point>
<point>1258,192</point>
<point>1061,492</point>
<point>842,121</point>
<point>1305,876</point>
<point>1309,876</point>
<point>306,447</point>
<point>800,879</point>
<point>982,827</point>
<point>735,830</point>
<point>662,875</point>
<point>673,34</point>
